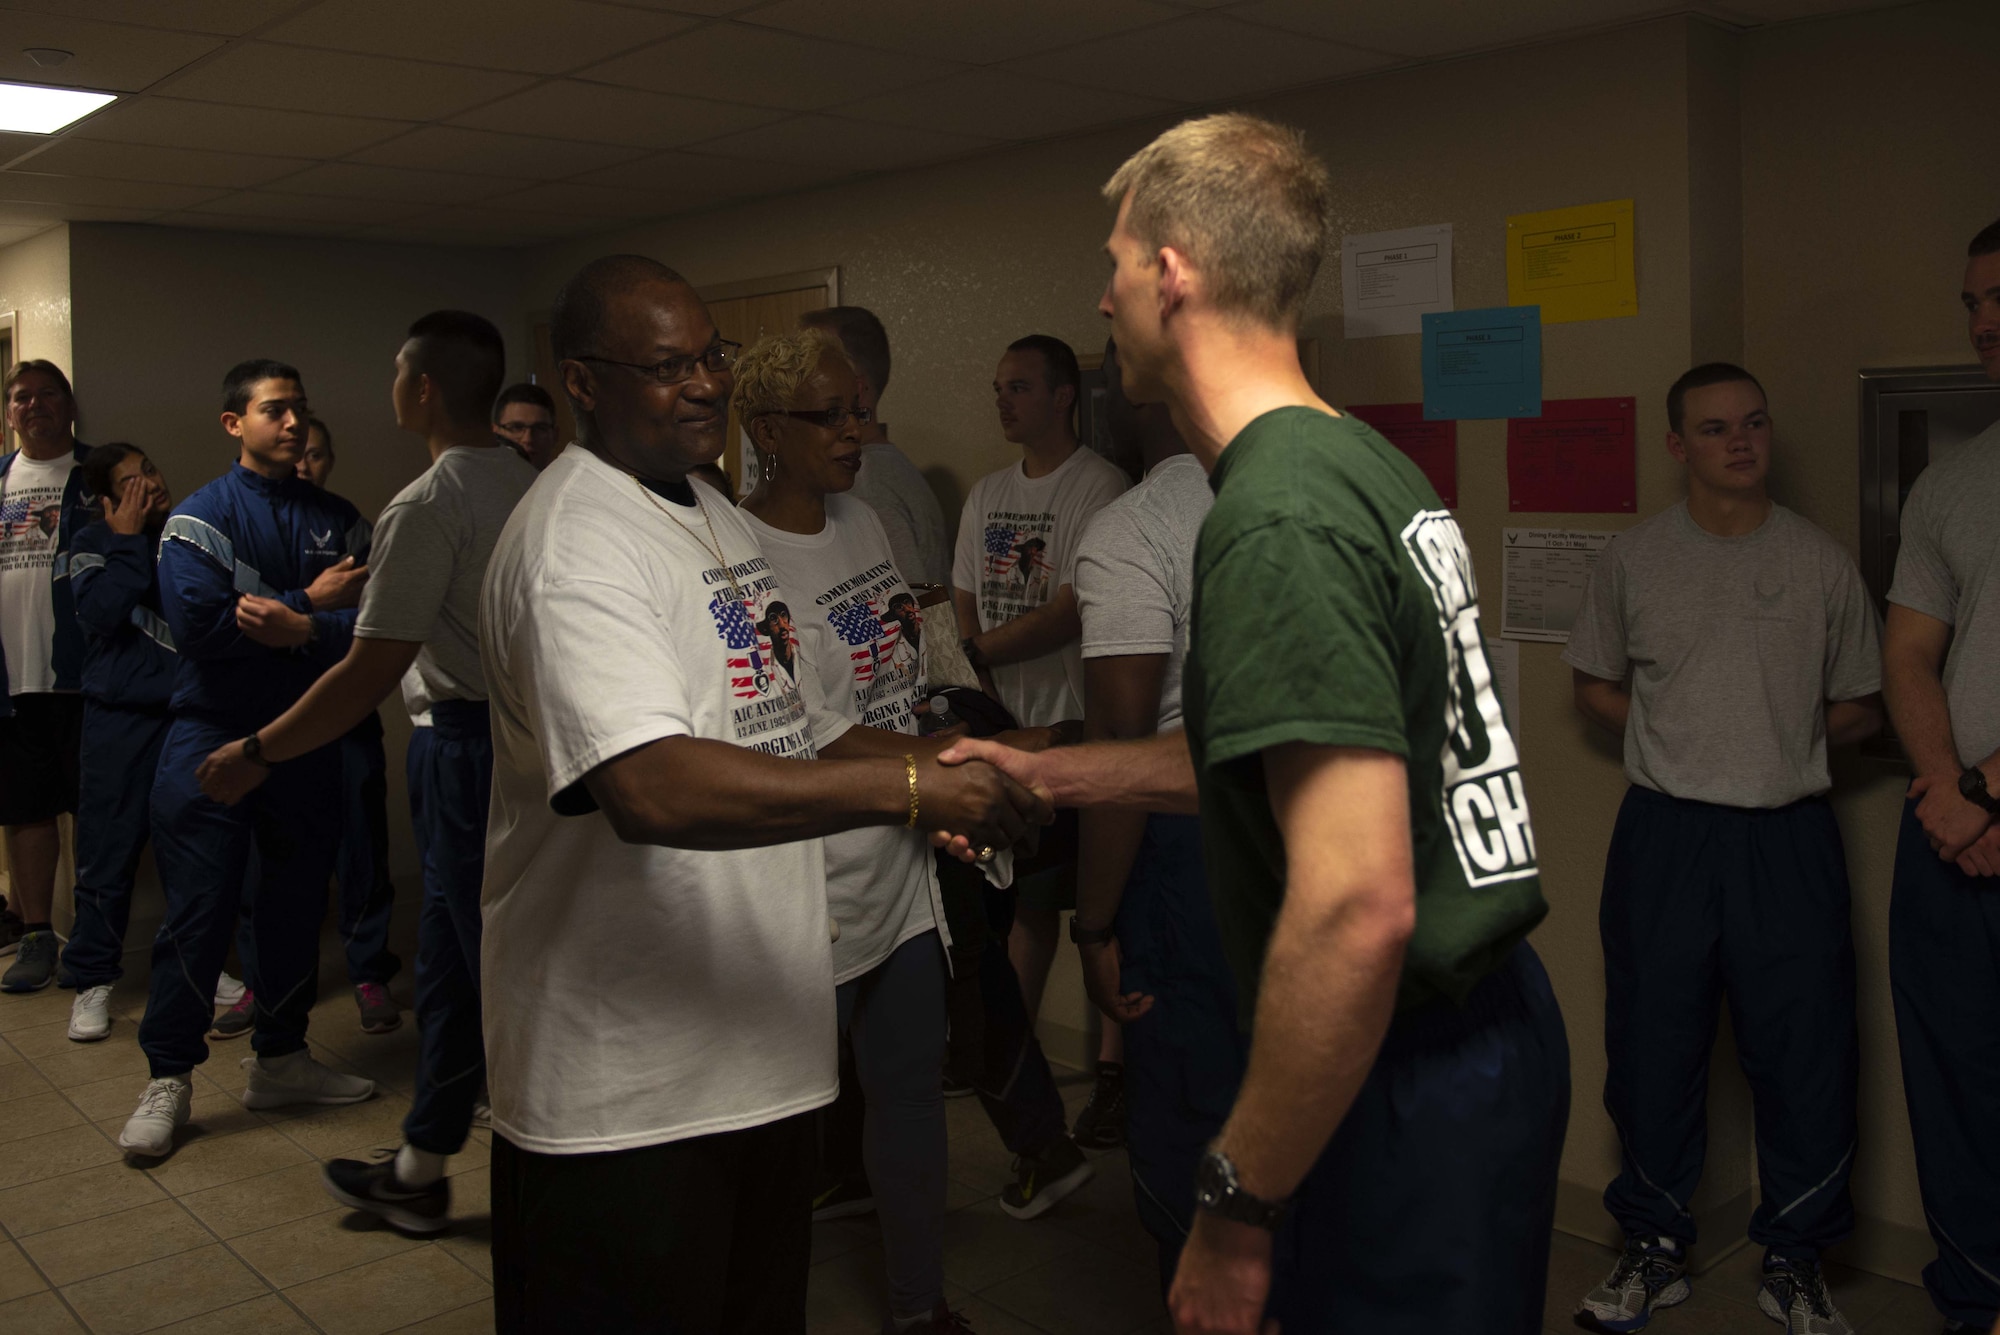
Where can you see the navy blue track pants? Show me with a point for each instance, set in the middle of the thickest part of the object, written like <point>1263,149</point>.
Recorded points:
<point>114,819</point>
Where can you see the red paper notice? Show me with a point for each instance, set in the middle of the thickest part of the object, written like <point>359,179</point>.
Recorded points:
<point>1432,446</point>
<point>1576,458</point>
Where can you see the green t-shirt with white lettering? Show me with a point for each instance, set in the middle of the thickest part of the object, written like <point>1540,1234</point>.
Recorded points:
<point>1335,604</point>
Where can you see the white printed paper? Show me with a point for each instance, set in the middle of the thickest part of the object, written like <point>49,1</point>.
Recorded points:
<point>1390,280</point>
<point>1503,657</point>
<point>1543,572</point>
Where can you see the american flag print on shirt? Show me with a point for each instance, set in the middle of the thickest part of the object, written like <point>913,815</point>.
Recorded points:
<point>869,638</point>
<point>749,652</point>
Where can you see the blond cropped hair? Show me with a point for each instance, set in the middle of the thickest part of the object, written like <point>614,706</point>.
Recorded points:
<point>1243,199</point>
<point>769,375</point>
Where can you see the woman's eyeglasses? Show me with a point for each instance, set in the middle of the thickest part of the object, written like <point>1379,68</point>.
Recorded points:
<point>833,419</point>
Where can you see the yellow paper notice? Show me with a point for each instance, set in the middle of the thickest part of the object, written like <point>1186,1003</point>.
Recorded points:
<point>1576,264</point>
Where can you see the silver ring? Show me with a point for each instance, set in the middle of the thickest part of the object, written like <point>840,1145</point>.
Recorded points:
<point>987,854</point>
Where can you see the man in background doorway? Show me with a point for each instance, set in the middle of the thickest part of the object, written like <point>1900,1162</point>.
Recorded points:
<point>1011,589</point>
<point>1939,664</point>
<point>525,417</point>
<point>889,483</point>
<point>1730,643</point>
<point>41,652</point>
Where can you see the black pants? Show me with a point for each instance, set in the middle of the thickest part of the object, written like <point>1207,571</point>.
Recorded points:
<point>705,1236</point>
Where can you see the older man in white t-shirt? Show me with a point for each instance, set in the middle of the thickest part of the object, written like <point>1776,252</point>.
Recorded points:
<point>661,1011</point>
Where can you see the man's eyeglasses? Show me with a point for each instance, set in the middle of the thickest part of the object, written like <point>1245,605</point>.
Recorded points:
<point>720,356</point>
<point>833,419</point>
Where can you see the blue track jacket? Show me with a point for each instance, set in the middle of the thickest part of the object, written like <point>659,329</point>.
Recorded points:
<point>246,533</point>
<point>128,652</point>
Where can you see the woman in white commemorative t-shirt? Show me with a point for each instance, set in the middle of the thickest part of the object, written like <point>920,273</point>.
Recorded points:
<point>796,397</point>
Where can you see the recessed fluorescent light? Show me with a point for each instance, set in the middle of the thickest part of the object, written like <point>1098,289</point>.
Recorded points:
<point>27,108</point>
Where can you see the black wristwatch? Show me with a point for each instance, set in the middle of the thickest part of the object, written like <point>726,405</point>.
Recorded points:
<point>1088,936</point>
<point>253,750</point>
<point>1972,787</point>
<point>1217,1191</point>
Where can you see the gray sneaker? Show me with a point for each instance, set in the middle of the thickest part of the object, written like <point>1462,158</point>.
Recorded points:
<point>1794,1294</point>
<point>1650,1275</point>
<point>34,966</point>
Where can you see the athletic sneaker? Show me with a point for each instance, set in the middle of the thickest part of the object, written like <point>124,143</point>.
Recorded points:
<point>238,1020</point>
<point>1650,1275</point>
<point>851,1197</point>
<point>482,1110</point>
<point>373,1188</point>
<point>277,1082</point>
<point>1101,1123</point>
<point>163,1109</point>
<point>11,930</point>
<point>954,1088</point>
<point>1794,1294</point>
<point>34,966</point>
<point>229,991</point>
<point>90,1014</point>
<point>942,1321</point>
<point>1040,1180</point>
<point>379,1014</point>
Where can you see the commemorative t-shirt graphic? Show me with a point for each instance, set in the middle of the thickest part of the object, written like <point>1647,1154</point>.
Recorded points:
<point>762,652</point>
<point>1019,571</point>
<point>31,497</point>
<point>888,675</point>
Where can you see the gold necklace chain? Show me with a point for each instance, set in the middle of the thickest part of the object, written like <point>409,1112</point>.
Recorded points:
<point>714,544</point>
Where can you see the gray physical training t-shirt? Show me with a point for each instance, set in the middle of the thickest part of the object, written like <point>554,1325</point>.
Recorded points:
<point>890,485</point>
<point>1949,568</point>
<point>1734,645</point>
<point>1135,572</point>
<point>429,557</point>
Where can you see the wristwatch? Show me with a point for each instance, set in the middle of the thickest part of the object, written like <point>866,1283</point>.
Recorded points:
<point>253,750</point>
<point>1088,936</point>
<point>1972,787</point>
<point>1217,1191</point>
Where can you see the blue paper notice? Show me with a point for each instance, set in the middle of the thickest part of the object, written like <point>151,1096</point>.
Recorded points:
<point>1483,363</point>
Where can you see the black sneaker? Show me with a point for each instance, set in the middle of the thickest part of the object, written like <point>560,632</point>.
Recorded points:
<point>373,1188</point>
<point>34,966</point>
<point>852,1197</point>
<point>1040,1180</point>
<point>238,1020</point>
<point>1101,1124</point>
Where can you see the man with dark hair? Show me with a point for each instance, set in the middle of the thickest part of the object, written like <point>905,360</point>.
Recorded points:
<point>316,464</point>
<point>258,582</point>
<point>1011,590</point>
<point>1730,643</point>
<point>1942,643</point>
<point>525,417</point>
<point>419,625</point>
<point>41,655</point>
<point>128,676</point>
<point>656,863</point>
<point>361,864</point>
<point>889,484</point>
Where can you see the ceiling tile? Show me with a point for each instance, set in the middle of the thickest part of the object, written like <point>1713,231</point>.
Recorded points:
<point>354,180</point>
<point>1202,58</point>
<point>568,109</point>
<point>106,56</point>
<point>979,34</point>
<point>307,208</point>
<point>677,177</point>
<point>825,141</point>
<point>567,196</point>
<point>546,37</point>
<point>256,74</point>
<point>1422,28</point>
<point>734,63</point>
<point>453,148</point>
<point>230,17</point>
<point>14,145</point>
<point>1004,105</point>
<point>145,162</point>
<point>173,123</point>
<point>31,187</point>
<point>1783,11</point>
<point>230,222</point>
<point>713,9</point>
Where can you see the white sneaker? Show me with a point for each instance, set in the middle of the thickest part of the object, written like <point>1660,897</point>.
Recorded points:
<point>162,1108</point>
<point>297,1078</point>
<point>90,1014</point>
<point>228,991</point>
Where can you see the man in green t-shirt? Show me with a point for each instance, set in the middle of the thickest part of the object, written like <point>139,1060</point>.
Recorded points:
<point>1390,1162</point>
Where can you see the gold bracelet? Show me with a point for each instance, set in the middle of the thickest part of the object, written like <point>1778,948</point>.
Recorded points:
<point>910,764</point>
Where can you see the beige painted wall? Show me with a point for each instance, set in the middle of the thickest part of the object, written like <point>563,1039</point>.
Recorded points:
<point>34,284</point>
<point>162,313</point>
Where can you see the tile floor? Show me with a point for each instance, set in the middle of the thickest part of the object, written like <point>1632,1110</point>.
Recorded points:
<point>233,1235</point>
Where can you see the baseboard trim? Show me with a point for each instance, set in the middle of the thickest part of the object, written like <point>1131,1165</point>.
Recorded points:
<point>1895,1251</point>
<point>1067,1046</point>
<point>1721,1227</point>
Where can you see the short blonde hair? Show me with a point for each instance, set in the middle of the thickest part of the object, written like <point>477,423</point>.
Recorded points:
<point>1243,199</point>
<point>769,375</point>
